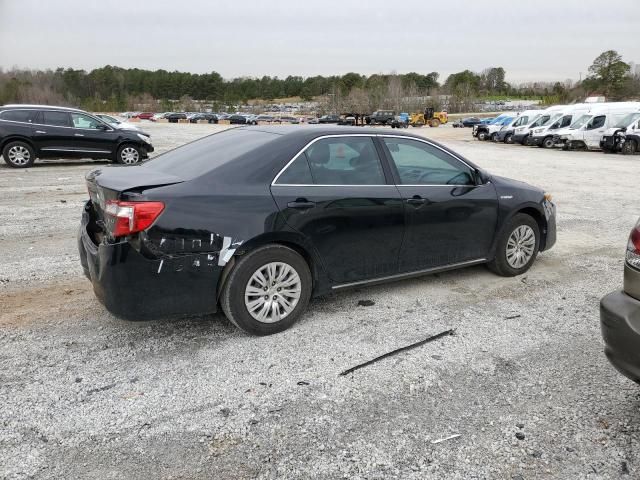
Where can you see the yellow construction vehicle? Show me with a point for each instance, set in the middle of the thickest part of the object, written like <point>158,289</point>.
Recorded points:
<point>428,117</point>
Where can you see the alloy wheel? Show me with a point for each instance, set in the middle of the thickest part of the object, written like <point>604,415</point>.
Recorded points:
<point>19,155</point>
<point>272,292</point>
<point>520,246</point>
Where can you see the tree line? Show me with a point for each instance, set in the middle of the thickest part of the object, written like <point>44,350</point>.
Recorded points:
<point>112,88</point>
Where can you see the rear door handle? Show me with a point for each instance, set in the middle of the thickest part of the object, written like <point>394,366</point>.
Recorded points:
<point>40,131</point>
<point>78,135</point>
<point>301,204</point>
<point>416,200</point>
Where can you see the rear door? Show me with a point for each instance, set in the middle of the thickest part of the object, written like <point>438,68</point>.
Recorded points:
<point>53,135</point>
<point>339,196</point>
<point>449,218</point>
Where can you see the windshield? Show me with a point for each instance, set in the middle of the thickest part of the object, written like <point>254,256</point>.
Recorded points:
<point>580,122</point>
<point>551,119</point>
<point>108,119</point>
<point>538,120</point>
<point>628,120</point>
<point>497,120</point>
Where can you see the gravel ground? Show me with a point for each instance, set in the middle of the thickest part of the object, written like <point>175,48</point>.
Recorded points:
<point>523,381</point>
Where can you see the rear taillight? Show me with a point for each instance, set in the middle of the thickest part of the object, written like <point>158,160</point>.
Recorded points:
<point>132,217</point>
<point>633,247</point>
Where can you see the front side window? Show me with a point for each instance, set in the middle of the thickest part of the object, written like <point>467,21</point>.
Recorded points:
<point>56,119</point>
<point>597,122</point>
<point>345,161</point>
<point>419,163</point>
<point>85,121</point>
<point>26,116</point>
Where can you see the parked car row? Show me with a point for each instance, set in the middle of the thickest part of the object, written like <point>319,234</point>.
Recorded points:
<point>611,127</point>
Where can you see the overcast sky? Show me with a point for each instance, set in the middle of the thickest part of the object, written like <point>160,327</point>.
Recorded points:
<point>541,40</point>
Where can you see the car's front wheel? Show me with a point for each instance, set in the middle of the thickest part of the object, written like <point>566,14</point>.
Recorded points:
<point>129,155</point>
<point>508,138</point>
<point>267,290</point>
<point>628,148</point>
<point>517,246</point>
<point>18,155</point>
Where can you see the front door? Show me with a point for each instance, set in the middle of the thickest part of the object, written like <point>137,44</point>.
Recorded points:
<point>450,219</point>
<point>92,136</point>
<point>594,131</point>
<point>336,193</point>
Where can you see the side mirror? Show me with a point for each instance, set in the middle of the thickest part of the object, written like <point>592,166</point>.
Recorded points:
<point>102,126</point>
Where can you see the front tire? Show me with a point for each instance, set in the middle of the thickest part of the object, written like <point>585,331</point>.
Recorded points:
<point>129,154</point>
<point>482,136</point>
<point>517,247</point>
<point>267,290</point>
<point>548,142</point>
<point>19,155</point>
<point>508,138</point>
<point>628,148</point>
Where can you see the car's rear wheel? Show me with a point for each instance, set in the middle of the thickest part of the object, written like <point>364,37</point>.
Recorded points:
<point>129,155</point>
<point>18,154</point>
<point>267,290</point>
<point>517,246</point>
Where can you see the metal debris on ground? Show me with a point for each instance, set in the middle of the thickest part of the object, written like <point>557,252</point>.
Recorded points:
<point>450,437</point>
<point>398,350</point>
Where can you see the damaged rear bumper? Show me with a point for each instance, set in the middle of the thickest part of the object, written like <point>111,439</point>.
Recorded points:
<point>134,287</point>
<point>620,325</point>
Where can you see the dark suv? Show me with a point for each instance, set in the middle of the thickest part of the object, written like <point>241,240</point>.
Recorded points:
<point>28,132</point>
<point>385,117</point>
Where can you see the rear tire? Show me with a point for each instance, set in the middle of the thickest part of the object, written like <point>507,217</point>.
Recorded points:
<point>517,246</point>
<point>288,282</point>
<point>19,154</point>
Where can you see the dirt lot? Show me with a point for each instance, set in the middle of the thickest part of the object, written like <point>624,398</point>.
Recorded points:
<point>85,395</point>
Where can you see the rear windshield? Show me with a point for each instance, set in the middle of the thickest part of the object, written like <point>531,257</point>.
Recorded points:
<point>201,156</point>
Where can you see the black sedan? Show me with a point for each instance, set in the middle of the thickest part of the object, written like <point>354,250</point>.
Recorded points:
<point>467,122</point>
<point>620,315</point>
<point>279,215</point>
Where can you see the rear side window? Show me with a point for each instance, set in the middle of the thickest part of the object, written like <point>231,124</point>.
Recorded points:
<point>56,119</point>
<point>298,173</point>
<point>345,161</point>
<point>27,116</point>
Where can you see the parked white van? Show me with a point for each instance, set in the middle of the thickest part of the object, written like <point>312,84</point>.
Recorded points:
<point>623,137</point>
<point>588,130</point>
<point>505,132</point>
<point>522,132</point>
<point>541,135</point>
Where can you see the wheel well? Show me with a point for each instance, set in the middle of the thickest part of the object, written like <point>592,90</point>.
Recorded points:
<point>540,220</point>
<point>308,258</point>
<point>16,139</point>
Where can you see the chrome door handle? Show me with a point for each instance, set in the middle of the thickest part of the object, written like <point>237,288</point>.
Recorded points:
<point>416,200</point>
<point>40,131</point>
<point>78,135</point>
